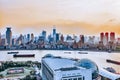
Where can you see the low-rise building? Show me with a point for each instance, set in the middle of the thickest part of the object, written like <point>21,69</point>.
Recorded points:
<point>57,68</point>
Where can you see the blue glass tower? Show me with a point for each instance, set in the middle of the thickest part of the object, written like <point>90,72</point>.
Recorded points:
<point>44,35</point>
<point>9,36</point>
<point>54,34</point>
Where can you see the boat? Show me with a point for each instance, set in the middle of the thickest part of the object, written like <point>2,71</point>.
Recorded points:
<point>82,53</point>
<point>67,52</point>
<point>12,52</point>
<point>109,51</point>
<point>112,61</point>
<point>23,55</point>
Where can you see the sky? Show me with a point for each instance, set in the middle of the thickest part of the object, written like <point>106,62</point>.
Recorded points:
<point>89,17</point>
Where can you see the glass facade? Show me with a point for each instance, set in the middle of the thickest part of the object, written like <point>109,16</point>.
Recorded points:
<point>47,72</point>
<point>88,64</point>
<point>73,78</point>
<point>9,36</point>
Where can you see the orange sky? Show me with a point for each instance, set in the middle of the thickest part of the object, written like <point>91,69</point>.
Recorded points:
<point>69,16</point>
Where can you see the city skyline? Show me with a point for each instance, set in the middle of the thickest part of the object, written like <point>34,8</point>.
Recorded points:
<point>78,17</point>
<point>52,31</point>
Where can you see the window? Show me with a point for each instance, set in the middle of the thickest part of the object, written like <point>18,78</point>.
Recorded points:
<point>74,78</point>
<point>79,78</point>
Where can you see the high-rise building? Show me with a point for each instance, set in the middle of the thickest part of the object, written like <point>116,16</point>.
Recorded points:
<point>68,38</point>
<point>106,36</point>
<point>9,36</point>
<point>62,38</point>
<point>92,40</point>
<point>54,31</point>
<point>13,41</point>
<point>3,41</point>
<point>57,37</point>
<point>25,39</point>
<point>54,34</point>
<point>82,38</point>
<point>101,36</point>
<point>112,36</point>
<point>32,36</point>
<point>28,37</point>
<point>44,35</point>
<point>0,39</point>
<point>50,39</point>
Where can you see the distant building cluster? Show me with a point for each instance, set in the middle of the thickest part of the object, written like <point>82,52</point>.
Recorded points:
<point>55,40</point>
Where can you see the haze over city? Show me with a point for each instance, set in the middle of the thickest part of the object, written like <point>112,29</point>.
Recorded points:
<point>69,16</point>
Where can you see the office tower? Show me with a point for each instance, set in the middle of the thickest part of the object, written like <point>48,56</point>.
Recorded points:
<point>74,37</point>
<point>57,37</point>
<point>54,31</point>
<point>68,38</point>
<point>101,36</point>
<point>50,38</point>
<point>106,36</point>
<point>54,34</point>
<point>62,38</point>
<point>112,36</point>
<point>9,36</point>
<point>82,38</point>
<point>28,37</point>
<point>32,36</point>
<point>0,39</point>
<point>25,39</point>
<point>91,39</point>
<point>13,41</point>
<point>21,39</point>
<point>44,35</point>
<point>3,41</point>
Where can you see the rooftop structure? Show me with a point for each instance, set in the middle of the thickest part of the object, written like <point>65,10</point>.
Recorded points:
<point>57,68</point>
<point>109,75</point>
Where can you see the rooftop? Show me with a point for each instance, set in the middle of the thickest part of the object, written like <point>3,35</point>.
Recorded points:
<point>108,74</point>
<point>63,64</point>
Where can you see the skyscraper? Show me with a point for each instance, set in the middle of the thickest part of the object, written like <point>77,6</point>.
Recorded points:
<point>54,34</point>
<point>44,35</point>
<point>101,36</point>
<point>32,36</point>
<point>28,37</point>
<point>9,36</point>
<point>0,39</point>
<point>54,31</point>
<point>82,38</point>
<point>106,36</point>
<point>62,38</point>
<point>57,37</point>
<point>112,36</point>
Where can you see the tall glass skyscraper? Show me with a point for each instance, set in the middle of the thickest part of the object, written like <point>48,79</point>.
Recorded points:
<point>44,35</point>
<point>9,36</point>
<point>54,34</point>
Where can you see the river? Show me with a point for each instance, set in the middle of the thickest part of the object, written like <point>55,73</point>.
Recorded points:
<point>98,57</point>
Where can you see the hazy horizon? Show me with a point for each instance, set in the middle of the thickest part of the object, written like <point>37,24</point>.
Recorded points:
<point>89,17</point>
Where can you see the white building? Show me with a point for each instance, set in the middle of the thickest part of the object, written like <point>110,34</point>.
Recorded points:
<point>57,68</point>
<point>109,75</point>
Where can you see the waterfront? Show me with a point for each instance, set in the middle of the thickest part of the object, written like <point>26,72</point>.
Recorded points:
<point>98,57</point>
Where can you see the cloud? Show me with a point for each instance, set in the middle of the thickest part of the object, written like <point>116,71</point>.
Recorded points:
<point>69,16</point>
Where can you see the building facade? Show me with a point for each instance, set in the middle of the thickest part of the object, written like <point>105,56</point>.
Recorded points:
<point>57,68</point>
<point>9,36</point>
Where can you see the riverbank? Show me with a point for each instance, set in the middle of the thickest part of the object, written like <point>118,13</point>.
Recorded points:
<point>115,51</point>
